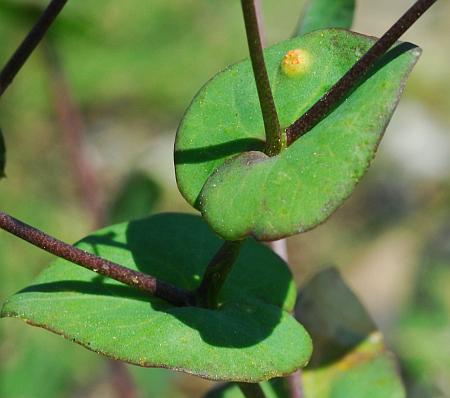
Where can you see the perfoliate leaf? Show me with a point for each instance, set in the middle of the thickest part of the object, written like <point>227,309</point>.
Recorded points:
<point>322,14</point>
<point>2,155</point>
<point>350,359</point>
<point>251,337</point>
<point>239,190</point>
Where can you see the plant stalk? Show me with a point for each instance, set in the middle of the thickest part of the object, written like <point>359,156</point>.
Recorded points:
<point>269,112</point>
<point>216,274</point>
<point>138,280</point>
<point>321,108</point>
<point>294,380</point>
<point>29,44</point>
<point>251,390</point>
<point>73,133</point>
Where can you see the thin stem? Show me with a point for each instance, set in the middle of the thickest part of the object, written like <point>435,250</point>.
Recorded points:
<point>260,20</point>
<point>251,390</point>
<point>294,380</point>
<point>121,380</point>
<point>216,273</point>
<point>29,44</point>
<point>138,280</point>
<point>269,112</point>
<point>354,75</point>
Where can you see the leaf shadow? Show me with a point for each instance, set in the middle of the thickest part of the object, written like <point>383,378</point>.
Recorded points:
<point>152,243</point>
<point>96,287</point>
<point>238,146</point>
<point>333,316</point>
<point>219,151</point>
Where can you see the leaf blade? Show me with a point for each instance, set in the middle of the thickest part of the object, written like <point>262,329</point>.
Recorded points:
<point>240,341</point>
<point>271,198</point>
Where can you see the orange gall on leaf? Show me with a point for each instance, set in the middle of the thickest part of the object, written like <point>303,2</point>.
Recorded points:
<point>296,62</point>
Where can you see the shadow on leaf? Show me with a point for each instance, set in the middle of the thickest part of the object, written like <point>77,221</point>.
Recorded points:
<point>213,152</point>
<point>177,248</point>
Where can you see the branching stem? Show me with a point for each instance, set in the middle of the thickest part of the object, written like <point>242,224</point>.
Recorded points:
<point>216,273</point>
<point>29,44</point>
<point>320,109</point>
<point>269,112</point>
<point>138,280</point>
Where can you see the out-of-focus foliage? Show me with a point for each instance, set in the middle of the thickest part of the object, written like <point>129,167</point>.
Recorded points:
<point>350,359</point>
<point>320,14</point>
<point>2,155</point>
<point>138,195</point>
<point>425,324</point>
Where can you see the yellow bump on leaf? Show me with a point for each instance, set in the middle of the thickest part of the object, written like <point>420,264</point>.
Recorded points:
<point>295,62</point>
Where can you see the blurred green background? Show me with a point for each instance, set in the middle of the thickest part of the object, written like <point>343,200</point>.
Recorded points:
<point>131,69</point>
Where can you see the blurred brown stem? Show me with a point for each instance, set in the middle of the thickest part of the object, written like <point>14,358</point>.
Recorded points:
<point>73,130</point>
<point>74,135</point>
<point>294,380</point>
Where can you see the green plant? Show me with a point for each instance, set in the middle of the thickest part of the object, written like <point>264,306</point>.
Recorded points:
<point>221,309</point>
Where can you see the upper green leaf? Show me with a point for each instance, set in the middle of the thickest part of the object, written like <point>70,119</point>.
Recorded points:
<point>298,189</point>
<point>250,337</point>
<point>322,14</point>
<point>350,359</point>
<point>2,155</point>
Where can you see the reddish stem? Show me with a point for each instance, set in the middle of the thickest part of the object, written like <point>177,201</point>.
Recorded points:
<point>73,130</point>
<point>136,279</point>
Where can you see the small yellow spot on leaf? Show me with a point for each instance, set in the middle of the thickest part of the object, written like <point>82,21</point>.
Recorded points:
<point>296,62</point>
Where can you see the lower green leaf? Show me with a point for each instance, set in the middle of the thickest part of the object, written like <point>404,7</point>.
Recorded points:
<point>251,337</point>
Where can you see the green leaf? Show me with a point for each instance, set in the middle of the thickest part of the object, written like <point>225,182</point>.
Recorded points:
<point>298,189</point>
<point>350,359</point>
<point>2,155</point>
<point>136,198</point>
<point>250,337</point>
<point>322,14</point>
